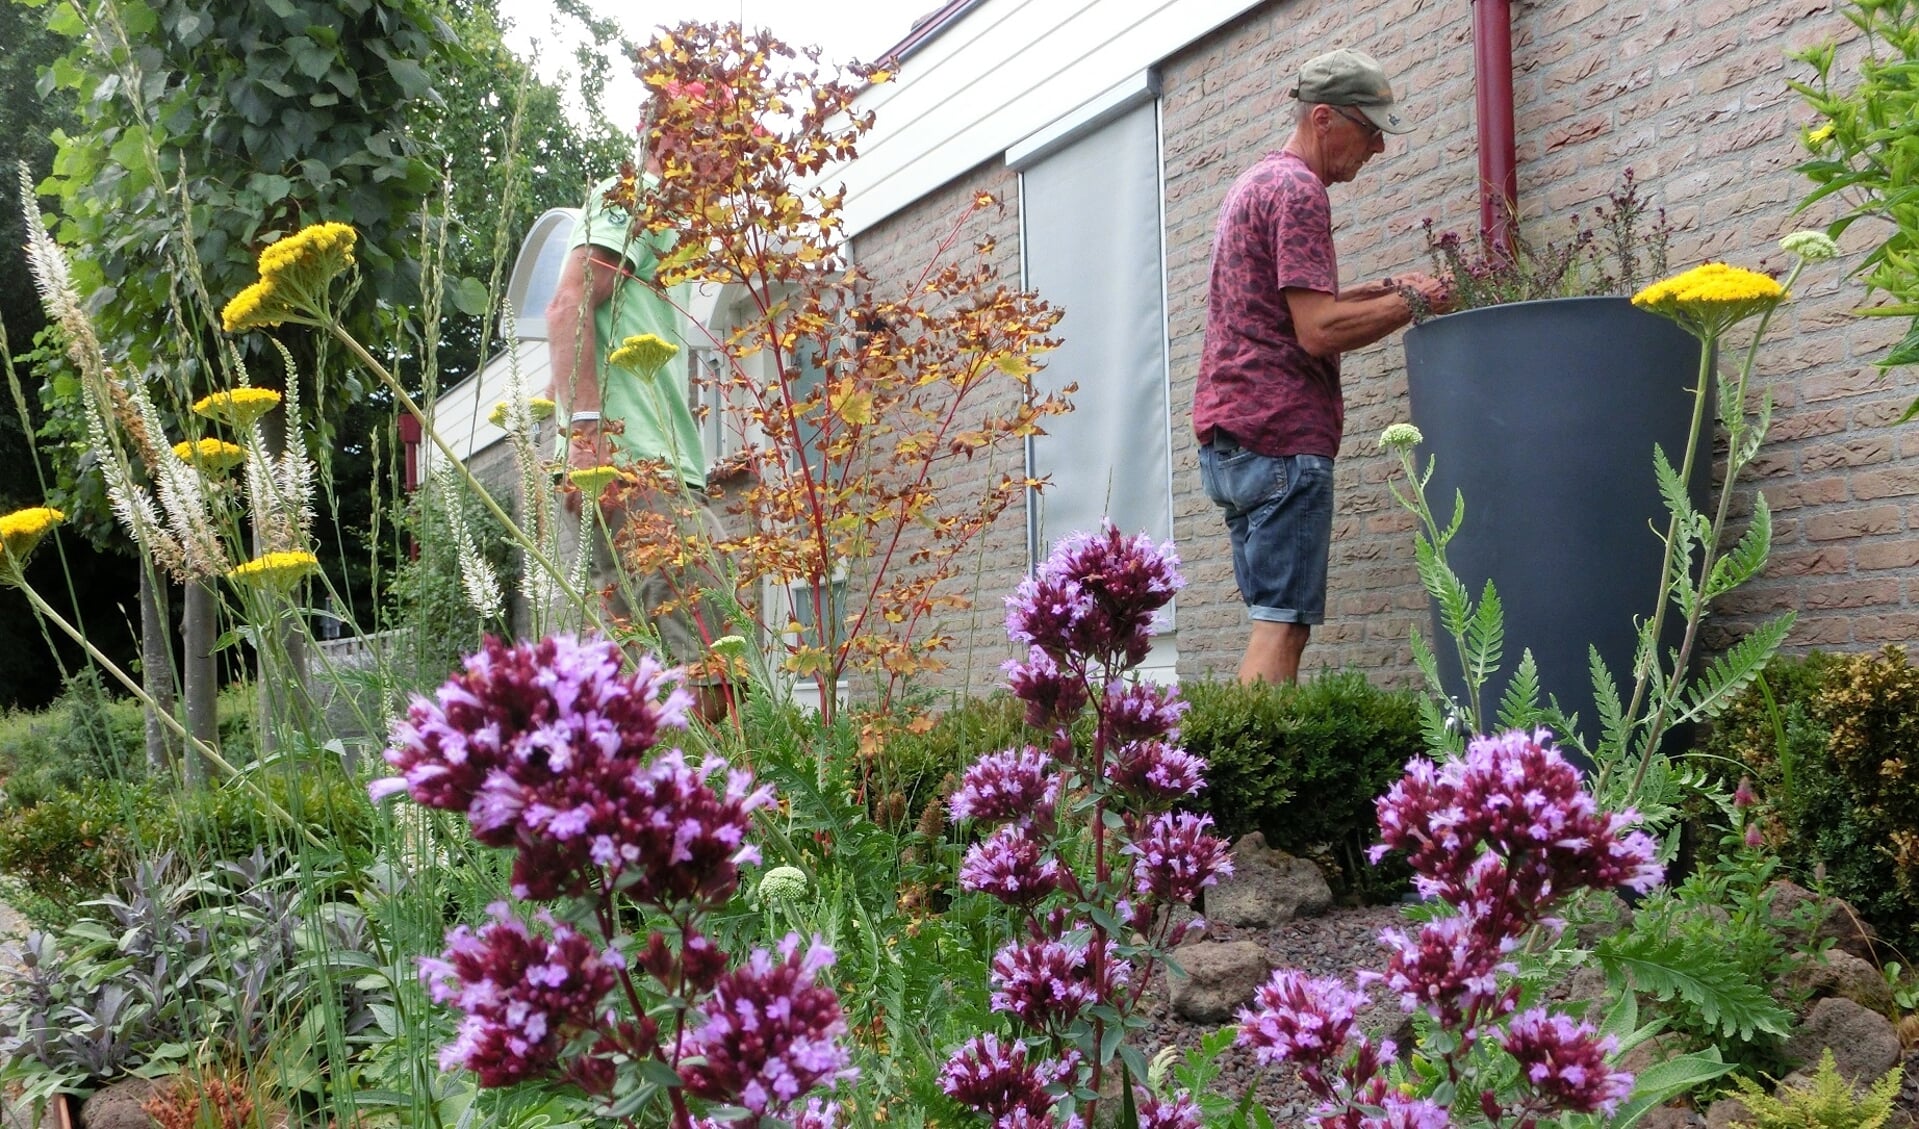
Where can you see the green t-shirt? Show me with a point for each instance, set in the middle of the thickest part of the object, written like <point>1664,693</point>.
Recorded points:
<point>659,421</point>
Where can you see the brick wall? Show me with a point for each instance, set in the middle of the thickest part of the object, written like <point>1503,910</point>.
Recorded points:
<point>893,254</point>
<point>1693,98</point>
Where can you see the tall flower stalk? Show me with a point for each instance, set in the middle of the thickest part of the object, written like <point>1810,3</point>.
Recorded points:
<point>1497,840</point>
<point>1086,850</point>
<point>552,751</point>
<point>1697,569</point>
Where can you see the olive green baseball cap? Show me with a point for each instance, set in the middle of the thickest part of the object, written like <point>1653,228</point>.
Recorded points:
<point>1352,78</point>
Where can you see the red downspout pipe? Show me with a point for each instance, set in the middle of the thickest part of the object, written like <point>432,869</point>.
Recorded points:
<point>1493,100</point>
<point>410,436</point>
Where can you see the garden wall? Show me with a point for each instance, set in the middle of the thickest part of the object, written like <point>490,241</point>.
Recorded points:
<point>1693,98</point>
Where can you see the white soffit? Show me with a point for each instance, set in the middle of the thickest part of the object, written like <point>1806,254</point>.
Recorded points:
<point>1005,72</point>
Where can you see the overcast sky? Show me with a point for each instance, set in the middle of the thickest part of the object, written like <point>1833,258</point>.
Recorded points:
<point>845,29</point>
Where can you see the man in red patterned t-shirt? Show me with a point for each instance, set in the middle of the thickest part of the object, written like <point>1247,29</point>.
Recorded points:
<point>1268,410</point>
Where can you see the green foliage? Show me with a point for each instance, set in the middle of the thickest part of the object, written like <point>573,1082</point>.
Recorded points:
<point>1864,153</point>
<point>80,843</point>
<point>1828,739</point>
<point>74,844</point>
<point>1828,1101</point>
<point>425,599</point>
<point>181,968</point>
<point>1709,952</point>
<point>1303,764</point>
<point>87,735</point>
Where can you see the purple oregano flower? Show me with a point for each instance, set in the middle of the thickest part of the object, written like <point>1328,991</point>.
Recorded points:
<point>551,750</point>
<point>1500,836</point>
<point>1095,596</point>
<point>769,1032</point>
<point>1000,1081</point>
<point>524,996</point>
<point>1013,785</point>
<point>545,747</point>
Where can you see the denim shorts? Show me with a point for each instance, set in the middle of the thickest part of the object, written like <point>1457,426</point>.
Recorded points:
<point>1280,514</point>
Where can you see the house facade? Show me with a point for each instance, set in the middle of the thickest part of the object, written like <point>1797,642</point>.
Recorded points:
<point>1109,130</point>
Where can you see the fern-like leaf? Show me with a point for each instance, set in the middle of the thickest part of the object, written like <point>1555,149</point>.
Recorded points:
<point>1747,557</point>
<point>1734,670</point>
<point>1665,967</point>
<point>1485,639</point>
<point>1519,705</point>
<point>1612,719</point>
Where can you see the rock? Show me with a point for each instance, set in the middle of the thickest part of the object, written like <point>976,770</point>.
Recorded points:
<point>1839,921</point>
<point>1216,979</point>
<point>1726,1112</point>
<point>1666,1117</point>
<point>1843,975</point>
<point>1864,1043</point>
<point>1267,887</point>
<point>117,1105</point>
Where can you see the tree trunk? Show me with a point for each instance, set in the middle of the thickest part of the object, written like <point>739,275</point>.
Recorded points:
<point>156,670</point>
<point>202,678</point>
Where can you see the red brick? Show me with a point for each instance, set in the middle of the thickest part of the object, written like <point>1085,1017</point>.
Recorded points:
<point>1846,524</point>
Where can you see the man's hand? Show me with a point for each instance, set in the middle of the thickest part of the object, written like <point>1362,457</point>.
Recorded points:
<point>1436,292</point>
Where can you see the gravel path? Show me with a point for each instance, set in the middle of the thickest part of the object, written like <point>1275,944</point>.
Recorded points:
<point>1335,944</point>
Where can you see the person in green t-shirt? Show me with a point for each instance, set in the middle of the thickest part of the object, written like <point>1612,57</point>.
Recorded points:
<point>617,417</point>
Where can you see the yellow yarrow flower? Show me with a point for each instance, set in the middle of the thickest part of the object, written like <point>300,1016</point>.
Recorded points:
<point>277,571</point>
<point>238,407</point>
<point>294,274</point>
<point>593,479</point>
<point>314,253</point>
<point>211,456</point>
<point>20,533</point>
<point>258,305</point>
<point>539,407</point>
<point>643,354</point>
<point>1711,297</point>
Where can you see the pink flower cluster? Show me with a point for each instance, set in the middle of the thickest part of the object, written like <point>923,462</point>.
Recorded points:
<point>551,750</point>
<point>545,747</point>
<point>1046,982</point>
<point>769,1033</point>
<point>1499,836</point>
<point>999,1080</point>
<point>1086,618</point>
<point>1516,800</point>
<point>524,996</point>
<point>1095,596</point>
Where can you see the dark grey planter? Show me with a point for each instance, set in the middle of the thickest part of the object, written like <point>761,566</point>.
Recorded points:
<point>1544,416</point>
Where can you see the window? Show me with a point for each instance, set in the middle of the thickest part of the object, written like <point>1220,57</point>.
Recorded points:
<point>1090,234</point>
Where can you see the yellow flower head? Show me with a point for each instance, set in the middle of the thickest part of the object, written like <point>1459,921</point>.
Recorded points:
<point>212,456</point>
<point>238,407</point>
<point>20,532</point>
<point>1711,297</point>
<point>1818,137</point>
<point>1399,435</point>
<point>258,305</point>
<point>279,572</point>
<point>593,479</point>
<point>313,255</point>
<point>643,354</point>
<point>294,273</point>
<point>539,407</point>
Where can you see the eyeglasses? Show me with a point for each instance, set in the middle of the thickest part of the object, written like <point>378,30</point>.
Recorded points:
<point>1373,132</point>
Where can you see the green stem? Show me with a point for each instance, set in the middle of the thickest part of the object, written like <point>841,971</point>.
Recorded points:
<point>1709,552</point>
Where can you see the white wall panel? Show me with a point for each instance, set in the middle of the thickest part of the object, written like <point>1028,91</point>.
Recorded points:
<point>1005,71</point>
